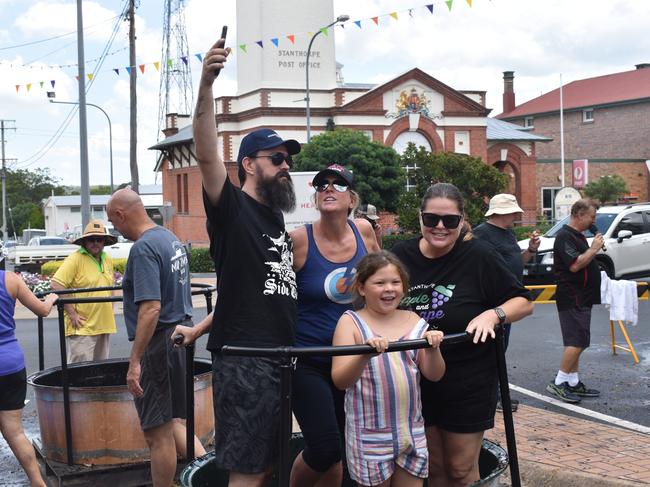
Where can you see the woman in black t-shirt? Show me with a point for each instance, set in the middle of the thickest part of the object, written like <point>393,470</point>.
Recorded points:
<point>459,284</point>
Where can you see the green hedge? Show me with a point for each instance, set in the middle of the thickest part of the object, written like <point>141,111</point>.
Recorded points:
<point>200,260</point>
<point>387,241</point>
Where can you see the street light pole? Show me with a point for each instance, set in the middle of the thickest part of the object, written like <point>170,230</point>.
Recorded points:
<point>110,129</point>
<point>339,19</point>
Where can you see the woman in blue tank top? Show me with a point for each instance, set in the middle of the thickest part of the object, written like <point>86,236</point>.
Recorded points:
<point>13,384</point>
<point>325,255</point>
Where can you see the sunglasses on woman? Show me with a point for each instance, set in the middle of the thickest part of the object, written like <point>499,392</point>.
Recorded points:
<point>450,222</point>
<point>278,158</point>
<point>339,186</point>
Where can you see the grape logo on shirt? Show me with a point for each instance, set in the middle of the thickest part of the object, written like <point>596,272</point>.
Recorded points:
<point>281,279</point>
<point>337,285</point>
<point>428,300</point>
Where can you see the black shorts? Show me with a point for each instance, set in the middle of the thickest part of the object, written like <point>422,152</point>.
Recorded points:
<point>162,380</point>
<point>319,408</point>
<point>13,390</point>
<point>463,401</point>
<point>575,324</point>
<point>246,392</point>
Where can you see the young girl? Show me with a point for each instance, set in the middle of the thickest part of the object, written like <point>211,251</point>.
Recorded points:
<point>385,439</point>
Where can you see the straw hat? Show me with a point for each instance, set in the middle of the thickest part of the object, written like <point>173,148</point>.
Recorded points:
<point>96,228</point>
<point>503,204</point>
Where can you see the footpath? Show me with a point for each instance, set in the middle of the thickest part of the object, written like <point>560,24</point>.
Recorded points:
<point>559,450</point>
<point>554,449</point>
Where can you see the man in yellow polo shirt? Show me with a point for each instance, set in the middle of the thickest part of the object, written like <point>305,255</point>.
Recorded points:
<point>88,325</point>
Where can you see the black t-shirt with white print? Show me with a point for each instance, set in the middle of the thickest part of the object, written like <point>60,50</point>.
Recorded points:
<point>451,290</point>
<point>256,284</point>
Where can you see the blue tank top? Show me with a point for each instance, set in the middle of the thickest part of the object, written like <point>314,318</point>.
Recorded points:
<point>323,292</point>
<point>11,355</point>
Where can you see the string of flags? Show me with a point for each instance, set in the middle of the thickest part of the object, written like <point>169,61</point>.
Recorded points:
<point>242,48</point>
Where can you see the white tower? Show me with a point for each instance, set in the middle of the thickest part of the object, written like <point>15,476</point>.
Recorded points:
<point>284,66</point>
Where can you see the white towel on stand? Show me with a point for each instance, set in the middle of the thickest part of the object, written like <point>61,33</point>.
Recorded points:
<point>620,298</point>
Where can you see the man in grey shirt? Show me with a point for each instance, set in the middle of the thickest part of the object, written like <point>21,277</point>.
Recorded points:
<point>157,297</point>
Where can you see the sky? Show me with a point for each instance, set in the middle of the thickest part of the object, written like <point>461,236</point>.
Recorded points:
<point>467,48</point>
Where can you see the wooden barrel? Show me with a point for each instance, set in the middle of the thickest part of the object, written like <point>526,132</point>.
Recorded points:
<point>105,425</point>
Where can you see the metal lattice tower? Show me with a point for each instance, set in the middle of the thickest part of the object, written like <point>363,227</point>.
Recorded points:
<point>175,94</point>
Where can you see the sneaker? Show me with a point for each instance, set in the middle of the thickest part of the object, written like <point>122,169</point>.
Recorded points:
<point>581,390</point>
<point>514,405</point>
<point>563,391</point>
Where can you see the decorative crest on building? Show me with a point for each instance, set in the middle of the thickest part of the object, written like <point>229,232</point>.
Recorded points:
<point>411,102</point>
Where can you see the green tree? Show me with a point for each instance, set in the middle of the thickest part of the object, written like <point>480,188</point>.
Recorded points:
<point>378,174</point>
<point>607,189</point>
<point>101,189</point>
<point>476,181</point>
<point>26,191</point>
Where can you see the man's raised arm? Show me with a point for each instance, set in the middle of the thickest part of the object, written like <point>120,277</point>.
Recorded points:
<point>213,170</point>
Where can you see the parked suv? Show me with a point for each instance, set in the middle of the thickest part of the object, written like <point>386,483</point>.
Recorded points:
<point>626,230</point>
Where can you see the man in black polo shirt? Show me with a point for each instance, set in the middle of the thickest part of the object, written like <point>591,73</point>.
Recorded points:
<point>578,289</point>
<point>497,230</point>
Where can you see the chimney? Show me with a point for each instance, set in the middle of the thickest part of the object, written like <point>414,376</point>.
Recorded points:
<point>642,66</point>
<point>508,91</point>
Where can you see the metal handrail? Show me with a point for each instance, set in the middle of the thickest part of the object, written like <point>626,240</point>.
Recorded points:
<point>288,354</point>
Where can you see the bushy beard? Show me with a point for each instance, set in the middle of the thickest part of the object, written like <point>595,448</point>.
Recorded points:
<point>277,192</point>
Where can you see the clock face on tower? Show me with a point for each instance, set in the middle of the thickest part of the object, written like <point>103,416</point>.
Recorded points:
<point>402,140</point>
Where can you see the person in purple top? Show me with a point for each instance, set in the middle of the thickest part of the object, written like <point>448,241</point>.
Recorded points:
<point>325,254</point>
<point>13,385</point>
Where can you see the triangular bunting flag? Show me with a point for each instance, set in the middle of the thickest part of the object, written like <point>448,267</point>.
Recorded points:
<point>76,77</point>
<point>199,57</point>
<point>449,3</point>
<point>128,69</point>
<point>275,41</point>
<point>184,59</point>
<point>90,76</point>
<point>142,68</point>
<point>52,83</point>
<point>260,43</point>
<point>469,2</point>
<point>17,88</point>
<point>394,15</point>
<point>292,38</point>
<point>156,65</point>
<point>41,83</point>
<point>430,7</point>
<point>358,22</point>
<point>324,30</point>
<point>170,63</point>
<point>375,20</point>
<point>117,71</point>
<point>242,47</point>
<point>29,86</point>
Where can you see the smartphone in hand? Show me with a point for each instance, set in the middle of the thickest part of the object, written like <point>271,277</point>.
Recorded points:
<point>224,32</point>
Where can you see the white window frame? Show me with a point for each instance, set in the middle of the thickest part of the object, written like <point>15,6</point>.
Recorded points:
<point>529,122</point>
<point>586,118</point>
<point>544,209</point>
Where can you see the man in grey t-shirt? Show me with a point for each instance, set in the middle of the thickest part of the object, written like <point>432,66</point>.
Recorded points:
<point>157,297</point>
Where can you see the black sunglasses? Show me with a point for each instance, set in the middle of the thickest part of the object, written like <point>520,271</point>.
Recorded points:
<point>450,222</point>
<point>277,158</point>
<point>339,186</point>
<point>95,239</point>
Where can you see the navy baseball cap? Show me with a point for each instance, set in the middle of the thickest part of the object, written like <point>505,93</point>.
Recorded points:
<point>334,170</point>
<point>261,139</point>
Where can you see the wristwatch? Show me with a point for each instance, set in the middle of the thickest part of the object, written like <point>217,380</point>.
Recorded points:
<point>500,313</point>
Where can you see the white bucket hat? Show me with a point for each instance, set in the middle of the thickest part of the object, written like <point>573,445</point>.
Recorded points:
<point>503,204</point>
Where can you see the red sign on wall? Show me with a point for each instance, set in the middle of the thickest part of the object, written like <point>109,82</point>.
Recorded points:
<point>580,173</point>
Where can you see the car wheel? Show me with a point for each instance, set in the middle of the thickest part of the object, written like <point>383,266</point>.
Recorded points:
<point>606,266</point>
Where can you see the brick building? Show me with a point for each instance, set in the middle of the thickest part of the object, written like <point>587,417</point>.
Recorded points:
<point>606,121</point>
<point>413,107</point>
